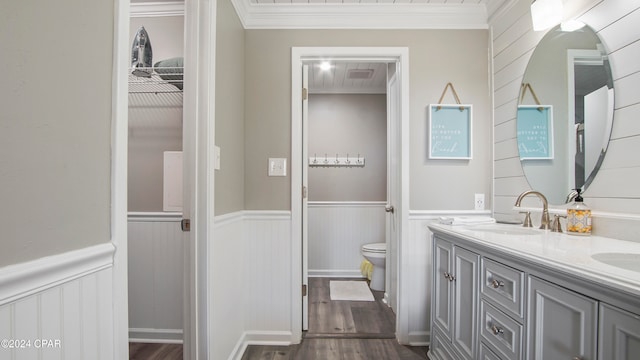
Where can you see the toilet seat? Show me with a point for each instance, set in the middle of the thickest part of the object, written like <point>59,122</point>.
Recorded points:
<point>379,248</point>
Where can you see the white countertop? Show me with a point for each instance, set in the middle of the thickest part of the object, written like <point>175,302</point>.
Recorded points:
<point>569,253</point>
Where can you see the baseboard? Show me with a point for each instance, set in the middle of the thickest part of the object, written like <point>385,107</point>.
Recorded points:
<point>166,336</point>
<point>336,273</point>
<point>278,338</point>
<point>419,338</point>
<point>28,278</point>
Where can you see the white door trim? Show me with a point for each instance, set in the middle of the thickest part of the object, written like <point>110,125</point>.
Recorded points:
<point>198,147</point>
<point>119,144</point>
<point>298,54</point>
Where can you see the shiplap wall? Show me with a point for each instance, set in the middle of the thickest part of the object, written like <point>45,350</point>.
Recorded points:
<point>155,277</point>
<point>337,231</point>
<point>614,194</point>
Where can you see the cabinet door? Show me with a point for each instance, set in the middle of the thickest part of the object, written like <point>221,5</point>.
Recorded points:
<point>562,324</point>
<point>441,302</point>
<point>619,334</point>
<point>440,347</point>
<point>466,278</point>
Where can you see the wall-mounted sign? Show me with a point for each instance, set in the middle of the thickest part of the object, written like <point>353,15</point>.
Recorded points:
<point>534,131</point>
<point>450,131</point>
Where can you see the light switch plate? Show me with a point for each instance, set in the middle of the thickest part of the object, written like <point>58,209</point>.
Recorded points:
<point>277,167</point>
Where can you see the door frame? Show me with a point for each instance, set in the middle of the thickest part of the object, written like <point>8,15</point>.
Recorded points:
<point>199,110</point>
<point>298,55</point>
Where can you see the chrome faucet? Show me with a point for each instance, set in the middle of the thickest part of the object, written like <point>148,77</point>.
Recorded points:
<point>544,221</point>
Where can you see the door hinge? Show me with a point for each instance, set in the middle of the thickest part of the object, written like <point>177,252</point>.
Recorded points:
<point>185,224</point>
<point>304,290</point>
<point>305,93</point>
<point>304,192</point>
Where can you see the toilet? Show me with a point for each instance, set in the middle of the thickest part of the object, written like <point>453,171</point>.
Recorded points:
<point>376,253</point>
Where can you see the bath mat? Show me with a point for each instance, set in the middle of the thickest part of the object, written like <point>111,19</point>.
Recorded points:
<point>350,290</point>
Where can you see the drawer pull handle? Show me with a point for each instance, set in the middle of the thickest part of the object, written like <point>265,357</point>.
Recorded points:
<point>449,276</point>
<point>496,330</point>
<point>497,283</point>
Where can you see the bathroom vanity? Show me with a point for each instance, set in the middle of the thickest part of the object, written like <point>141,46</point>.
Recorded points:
<point>508,292</point>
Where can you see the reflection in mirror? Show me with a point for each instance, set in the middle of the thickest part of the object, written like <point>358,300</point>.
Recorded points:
<point>565,112</point>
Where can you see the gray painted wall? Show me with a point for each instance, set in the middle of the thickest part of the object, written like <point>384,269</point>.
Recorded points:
<point>55,127</point>
<point>155,120</point>
<point>436,58</point>
<point>230,87</point>
<point>348,124</point>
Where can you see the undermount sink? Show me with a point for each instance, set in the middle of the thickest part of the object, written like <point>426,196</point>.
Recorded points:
<point>505,230</point>
<point>627,261</point>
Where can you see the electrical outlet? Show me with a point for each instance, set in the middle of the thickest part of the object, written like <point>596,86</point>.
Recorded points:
<point>479,202</point>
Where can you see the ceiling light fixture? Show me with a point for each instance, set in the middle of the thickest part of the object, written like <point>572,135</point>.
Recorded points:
<point>325,65</point>
<point>545,14</point>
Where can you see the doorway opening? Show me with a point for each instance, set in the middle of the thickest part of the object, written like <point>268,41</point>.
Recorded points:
<point>395,84</point>
<point>346,143</point>
<point>156,242</point>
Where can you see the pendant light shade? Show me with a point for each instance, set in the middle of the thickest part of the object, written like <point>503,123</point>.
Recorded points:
<point>546,13</point>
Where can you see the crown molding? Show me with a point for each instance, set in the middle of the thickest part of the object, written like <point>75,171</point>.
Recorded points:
<point>156,9</point>
<point>361,16</point>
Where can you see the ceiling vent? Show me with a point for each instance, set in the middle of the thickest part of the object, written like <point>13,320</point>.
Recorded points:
<point>359,74</point>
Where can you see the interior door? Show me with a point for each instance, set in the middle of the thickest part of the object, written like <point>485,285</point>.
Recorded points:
<point>305,183</point>
<point>393,194</point>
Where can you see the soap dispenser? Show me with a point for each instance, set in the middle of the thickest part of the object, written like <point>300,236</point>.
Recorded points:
<point>578,217</point>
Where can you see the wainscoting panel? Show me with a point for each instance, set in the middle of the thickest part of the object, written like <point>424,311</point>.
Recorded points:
<point>268,271</point>
<point>337,231</point>
<point>226,276</point>
<point>419,276</point>
<point>155,277</point>
<point>250,277</point>
<point>69,321</point>
<point>417,249</point>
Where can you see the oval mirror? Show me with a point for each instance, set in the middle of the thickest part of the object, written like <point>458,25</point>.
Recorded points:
<point>565,112</point>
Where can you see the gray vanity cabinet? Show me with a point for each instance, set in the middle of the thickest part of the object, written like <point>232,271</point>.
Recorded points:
<point>562,323</point>
<point>455,306</point>
<point>619,334</point>
<point>489,304</point>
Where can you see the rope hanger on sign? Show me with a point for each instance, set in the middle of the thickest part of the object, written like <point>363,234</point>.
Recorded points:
<point>523,92</point>
<point>455,95</point>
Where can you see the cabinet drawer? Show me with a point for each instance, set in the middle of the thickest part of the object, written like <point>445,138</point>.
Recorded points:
<point>501,331</point>
<point>504,286</point>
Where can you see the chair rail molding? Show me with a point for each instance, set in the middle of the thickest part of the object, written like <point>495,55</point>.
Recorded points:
<point>25,279</point>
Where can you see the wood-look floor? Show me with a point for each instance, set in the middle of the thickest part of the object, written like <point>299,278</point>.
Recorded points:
<point>148,351</point>
<point>342,330</point>
<point>345,330</point>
